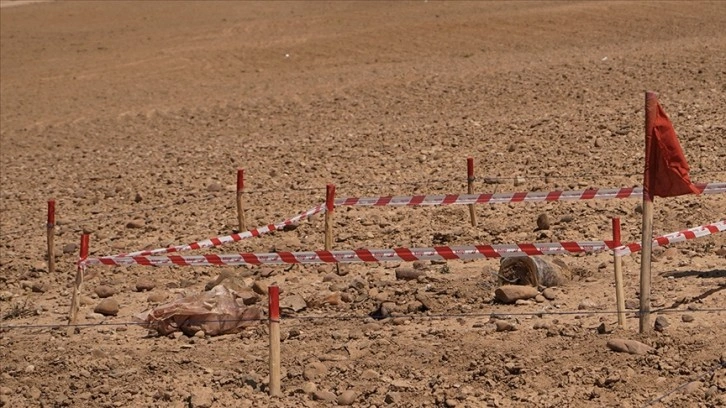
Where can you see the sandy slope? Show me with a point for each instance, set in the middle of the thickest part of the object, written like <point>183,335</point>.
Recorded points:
<point>125,112</point>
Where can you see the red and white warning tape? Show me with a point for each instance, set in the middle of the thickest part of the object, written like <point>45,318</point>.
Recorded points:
<point>360,255</point>
<point>680,236</point>
<point>500,198</point>
<point>212,242</point>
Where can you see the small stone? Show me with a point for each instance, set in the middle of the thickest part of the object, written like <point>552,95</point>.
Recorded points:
<point>70,248</point>
<point>40,287</point>
<point>107,307</point>
<point>214,187</point>
<point>135,224</point>
<point>603,329</point>
<point>504,326</point>
<point>512,293</point>
<point>599,142</point>
<point>322,395</point>
<point>687,318</point>
<point>543,222</point>
<point>539,299</point>
<point>145,284</point>
<point>721,252</point>
<point>156,297</point>
<point>451,403</point>
<point>632,304</point>
<point>587,304</point>
<point>202,397</point>
<point>138,198</point>
<point>347,397</point>
<point>692,387</point>
<point>314,371</point>
<point>369,375</point>
<point>104,291</point>
<point>628,346</point>
<point>393,398</point>
<point>661,323</point>
<point>309,387</point>
<point>260,288</point>
<point>408,273</point>
<point>519,180</point>
<point>6,295</point>
<point>549,294</point>
<point>200,334</point>
<point>341,270</point>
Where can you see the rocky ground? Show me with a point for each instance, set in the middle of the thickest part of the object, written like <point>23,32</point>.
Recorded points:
<point>135,117</point>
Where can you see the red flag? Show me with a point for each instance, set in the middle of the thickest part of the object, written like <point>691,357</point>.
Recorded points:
<point>666,168</point>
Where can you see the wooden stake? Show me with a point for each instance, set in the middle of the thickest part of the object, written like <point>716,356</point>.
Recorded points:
<point>470,187</point>
<point>618,261</point>
<point>51,236</point>
<point>242,225</point>
<point>329,208</point>
<point>651,103</point>
<point>274,314</point>
<point>76,298</point>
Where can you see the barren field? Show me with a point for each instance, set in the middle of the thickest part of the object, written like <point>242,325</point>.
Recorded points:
<point>135,116</point>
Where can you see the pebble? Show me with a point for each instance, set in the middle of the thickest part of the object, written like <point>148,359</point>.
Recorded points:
<point>347,397</point>
<point>687,318</point>
<point>6,295</point>
<point>539,299</point>
<point>138,198</point>
<point>70,248</point>
<point>632,304</point>
<point>145,284</point>
<point>107,307</point>
<point>309,387</point>
<point>628,346</point>
<point>104,291</point>
<point>214,187</point>
<point>692,387</point>
<point>543,222</point>
<point>260,288</point>
<point>661,323</point>
<point>314,371</point>
<point>587,304</point>
<point>512,293</point>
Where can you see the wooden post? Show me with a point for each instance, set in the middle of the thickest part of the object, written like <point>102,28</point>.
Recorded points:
<point>470,187</point>
<point>651,103</point>
<point>50,229</point>
<point>274,315</point>
<point>618,261</point>
<point>242,225</point>
<point>329,208</point>
<point>76,298</point>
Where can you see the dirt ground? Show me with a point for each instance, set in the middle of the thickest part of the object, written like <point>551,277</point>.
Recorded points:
<point>135,116</point>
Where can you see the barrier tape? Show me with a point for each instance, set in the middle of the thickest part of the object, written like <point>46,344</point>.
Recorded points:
<point>212,242</point>
<point>361,255</point>
<point>500,198</point>
<point>680,236</point>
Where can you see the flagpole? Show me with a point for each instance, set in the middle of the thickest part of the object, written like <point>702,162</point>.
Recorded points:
<point>651,103</point>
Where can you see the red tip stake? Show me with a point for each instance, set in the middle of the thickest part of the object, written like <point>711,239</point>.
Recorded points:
<point>240,180</point>
<point>330,197</point>
<point>273,293</point>
<point>51,213</point>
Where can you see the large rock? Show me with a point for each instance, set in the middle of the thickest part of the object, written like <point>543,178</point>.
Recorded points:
<point>104,291</point>
<point>628,346</point>
<point>512,293</point>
